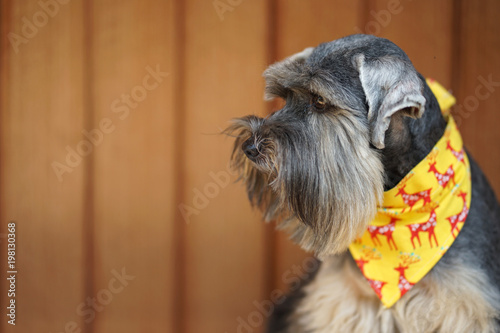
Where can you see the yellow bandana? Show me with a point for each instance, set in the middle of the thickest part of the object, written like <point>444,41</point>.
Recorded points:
<point>420,217</point>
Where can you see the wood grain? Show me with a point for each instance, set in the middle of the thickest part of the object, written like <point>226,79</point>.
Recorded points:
<point>477,103</point>
<point>225,247</point>
<point>42,112</point>
<point>423,29</point>
<point>134,166</point>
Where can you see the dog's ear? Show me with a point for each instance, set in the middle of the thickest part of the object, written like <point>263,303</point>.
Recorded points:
<point>302,55</point>
<point>391,84</point>
<point>285,74</point>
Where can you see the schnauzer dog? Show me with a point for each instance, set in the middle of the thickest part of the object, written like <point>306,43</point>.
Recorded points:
<point>357,119</point>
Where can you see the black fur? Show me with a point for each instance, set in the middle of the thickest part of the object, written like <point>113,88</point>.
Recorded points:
<point>278,322</point>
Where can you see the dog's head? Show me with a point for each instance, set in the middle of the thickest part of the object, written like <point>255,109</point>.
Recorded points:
<point>315,165</point>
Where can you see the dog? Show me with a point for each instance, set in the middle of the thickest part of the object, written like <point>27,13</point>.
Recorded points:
<point>357,119</point>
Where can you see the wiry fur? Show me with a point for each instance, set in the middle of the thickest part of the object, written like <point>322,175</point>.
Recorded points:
<point>316,173</point>
<point>340,300</point>
<point>320,170</point>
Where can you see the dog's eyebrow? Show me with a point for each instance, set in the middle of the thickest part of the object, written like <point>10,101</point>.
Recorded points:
<point>276,90</point>
<point>285,76</point>
<point>294,92</point>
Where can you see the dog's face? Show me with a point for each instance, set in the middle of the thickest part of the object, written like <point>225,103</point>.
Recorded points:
<point>315,165</point>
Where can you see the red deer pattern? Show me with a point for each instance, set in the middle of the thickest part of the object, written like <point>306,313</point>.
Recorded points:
<point>385,230</point>
<point>367,256</point>
<point>412,198</point>
<point>406,260</point>
<point>460,217</point>
<point>427,226</point>
<point>443,178</point>
<point>458,154</point>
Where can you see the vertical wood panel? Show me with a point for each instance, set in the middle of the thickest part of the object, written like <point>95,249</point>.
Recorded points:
<point>225,258</point>
<point>134,165</point>
<point>423,29</point>
<point>42,113</point>
<point>300,25</point>
<point>477,103</point>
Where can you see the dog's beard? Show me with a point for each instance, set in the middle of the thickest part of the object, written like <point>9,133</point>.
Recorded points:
<point>319,179</point>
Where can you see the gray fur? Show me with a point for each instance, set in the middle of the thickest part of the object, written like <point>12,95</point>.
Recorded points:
<point>358,117</point>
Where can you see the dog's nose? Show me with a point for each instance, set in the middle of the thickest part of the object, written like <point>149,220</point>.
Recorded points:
<point>250,149</point>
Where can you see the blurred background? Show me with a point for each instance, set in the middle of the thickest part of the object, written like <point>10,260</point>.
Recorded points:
<point>127,216</point>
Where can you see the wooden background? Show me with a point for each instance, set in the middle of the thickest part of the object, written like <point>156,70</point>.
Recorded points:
<point>213,269</point>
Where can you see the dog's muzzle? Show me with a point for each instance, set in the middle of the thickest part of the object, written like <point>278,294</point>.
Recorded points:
<point>250,149</point>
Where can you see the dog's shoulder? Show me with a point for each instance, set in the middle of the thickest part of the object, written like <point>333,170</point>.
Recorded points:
<point>280,320</point>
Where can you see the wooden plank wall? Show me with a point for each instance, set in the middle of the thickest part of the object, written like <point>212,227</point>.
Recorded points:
<point>149,223</point>
<point>224,244</point>
<point>43,112</point>
<point>132,55</point>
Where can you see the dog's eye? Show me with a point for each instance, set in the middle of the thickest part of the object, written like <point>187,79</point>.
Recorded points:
<point>319,102</point>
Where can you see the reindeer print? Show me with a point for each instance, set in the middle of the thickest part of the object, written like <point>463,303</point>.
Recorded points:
<point>460,217</point>
<point>426,226</point>
<point>385,230</point>
<point>458,154</point>
<point>366,257</point>
<point>445,177</point>
<point>406,260</point>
